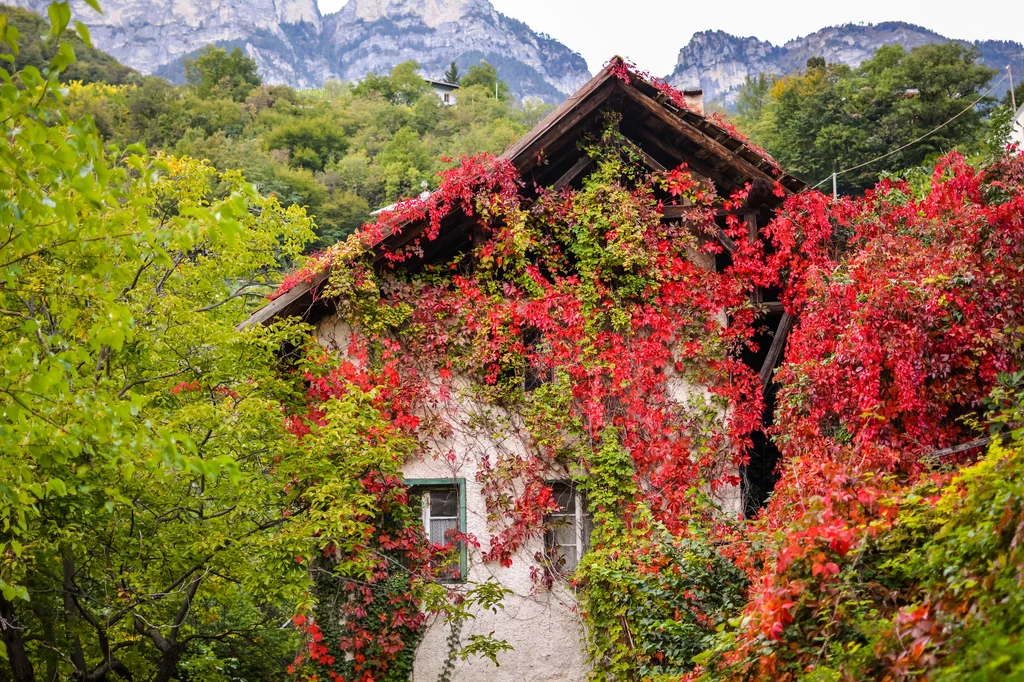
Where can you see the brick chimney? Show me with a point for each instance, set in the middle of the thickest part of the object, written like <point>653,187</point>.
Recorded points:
<point>694,100</point>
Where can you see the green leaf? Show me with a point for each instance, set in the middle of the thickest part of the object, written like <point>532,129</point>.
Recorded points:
<point>83,33</point>
<point>60,15</point>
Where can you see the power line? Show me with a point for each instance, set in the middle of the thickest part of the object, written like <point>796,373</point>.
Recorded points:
<point>912,142</point>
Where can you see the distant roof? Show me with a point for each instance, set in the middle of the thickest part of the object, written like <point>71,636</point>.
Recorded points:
<point>442,84</point>
<point>666,132</point>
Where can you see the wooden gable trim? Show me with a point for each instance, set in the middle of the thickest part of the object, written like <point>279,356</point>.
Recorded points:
<point>716,149</point>
<point>561,119</point>
<point>727,156</point>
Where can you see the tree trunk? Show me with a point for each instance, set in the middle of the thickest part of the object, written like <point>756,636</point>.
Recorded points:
<point>21,667</point>
<point>168,669</point>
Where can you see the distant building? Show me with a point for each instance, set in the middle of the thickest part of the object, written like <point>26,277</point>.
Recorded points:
<point>1017,128</point>
<point>445,91</point>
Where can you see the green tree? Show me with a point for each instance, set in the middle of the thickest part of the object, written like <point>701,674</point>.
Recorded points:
<point>403,85</point>
<point>484,74</point>
<point>832,117</point>
<point>312,142</point>
<point>452,75</point>
<point>157,516</point>
<point>406,83</point>
<point>404,162</point>
<point>753,95</point>
<point>214,72</point>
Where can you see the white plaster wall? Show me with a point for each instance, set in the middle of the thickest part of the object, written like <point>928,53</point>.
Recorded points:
<point>542,625</point>
<point>1017,129</point>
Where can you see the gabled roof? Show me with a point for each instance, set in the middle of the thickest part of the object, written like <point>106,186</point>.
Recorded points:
<point>444,85</point>
<point>662,128</point>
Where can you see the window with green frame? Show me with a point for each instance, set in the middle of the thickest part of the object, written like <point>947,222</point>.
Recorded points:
<point>568,528</point>
<point>442,502</point>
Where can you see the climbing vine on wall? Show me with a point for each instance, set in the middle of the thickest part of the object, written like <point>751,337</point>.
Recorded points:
<point>591,332</point>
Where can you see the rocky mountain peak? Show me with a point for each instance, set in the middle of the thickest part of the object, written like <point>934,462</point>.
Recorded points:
<point>433,13</point>
<point>293,44</point>
<point>719,62</point>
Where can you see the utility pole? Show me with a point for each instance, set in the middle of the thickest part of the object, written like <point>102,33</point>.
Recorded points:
<point>1013,97</point>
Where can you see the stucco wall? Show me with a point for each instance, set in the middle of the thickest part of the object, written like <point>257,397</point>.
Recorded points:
<point>542,625</point>
<point>1017,128</point>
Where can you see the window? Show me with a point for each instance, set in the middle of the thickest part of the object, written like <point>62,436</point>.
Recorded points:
<point>569,528</point>
<point>443,507</point>
<point>447,98</point>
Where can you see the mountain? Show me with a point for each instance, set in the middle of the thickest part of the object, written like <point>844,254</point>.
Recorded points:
<point>374,35</point>
<point>292,43</point>
<point>719,62</point>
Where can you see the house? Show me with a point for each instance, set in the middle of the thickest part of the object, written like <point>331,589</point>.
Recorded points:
<point>543,625</point>
<point>445,91</point>
<point>1017,128</point>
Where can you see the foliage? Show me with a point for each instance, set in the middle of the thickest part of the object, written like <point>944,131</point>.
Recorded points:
<point>215,73</point>
<point>311,143</point>
<point>832,117</point>
<point>908,343</point>
<point>403,86</point>
<point>651,601</point>
<point>452,75</point>
<point>931,590</point>
<point>486,76</point>
<point>339,152</point>
<point>593,290</point>
<point>160,513</point>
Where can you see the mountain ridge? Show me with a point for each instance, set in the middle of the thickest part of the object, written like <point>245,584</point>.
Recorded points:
<point>718,62</point>
<point>294,44</point>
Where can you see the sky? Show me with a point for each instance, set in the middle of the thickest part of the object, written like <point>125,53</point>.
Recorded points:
<point>651,32</point>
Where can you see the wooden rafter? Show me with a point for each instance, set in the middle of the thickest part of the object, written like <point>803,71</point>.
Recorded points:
<point>726,155</point>
<point>775,351</point>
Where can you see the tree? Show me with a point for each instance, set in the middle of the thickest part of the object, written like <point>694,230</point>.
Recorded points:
<point>157,513</point>
<point>312,142</point>
<point>753,96</point>
<point>452,75</point>
<point>402,86</point>
<point>406,83</point>
<point>214,72</point>
<point>832,117</point>
<point>484,74</point>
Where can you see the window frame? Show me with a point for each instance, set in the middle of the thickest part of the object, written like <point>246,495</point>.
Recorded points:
<point>580,519</point>
<point>428,484</point>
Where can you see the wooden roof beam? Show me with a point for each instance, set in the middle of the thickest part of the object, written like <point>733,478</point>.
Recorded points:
<point>701,139</point>
<point>775,351</point>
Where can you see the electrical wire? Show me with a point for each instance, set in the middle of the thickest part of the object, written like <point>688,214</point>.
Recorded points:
<point>912,142</point>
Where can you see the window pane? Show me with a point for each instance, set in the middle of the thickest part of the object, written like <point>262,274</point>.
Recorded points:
<point>566,558</point>
<point>564,497</point>
<point>440,530</point>
<point>444,502</point>
<point>564,534</point>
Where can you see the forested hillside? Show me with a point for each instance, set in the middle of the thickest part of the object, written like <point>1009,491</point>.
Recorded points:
<point>898,110</point>
<point>341,151</point>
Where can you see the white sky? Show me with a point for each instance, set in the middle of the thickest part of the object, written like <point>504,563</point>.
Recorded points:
<point>651,32</point>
